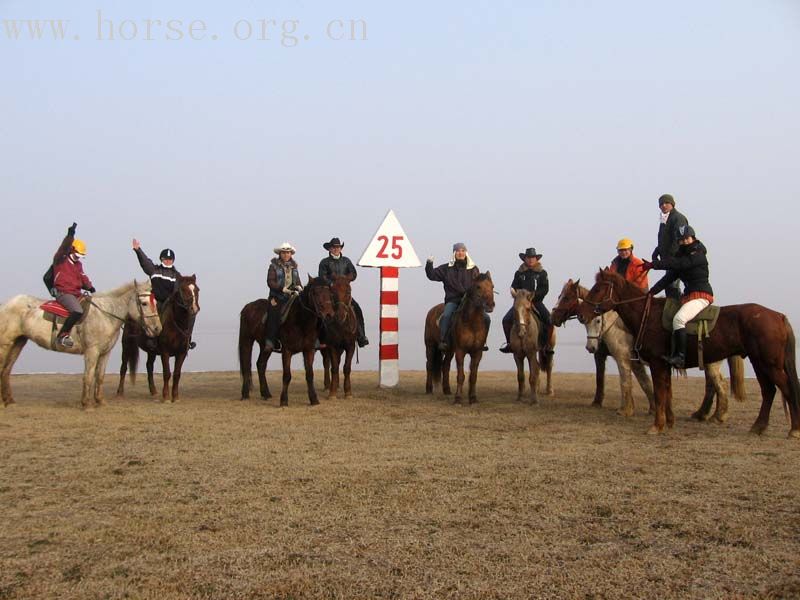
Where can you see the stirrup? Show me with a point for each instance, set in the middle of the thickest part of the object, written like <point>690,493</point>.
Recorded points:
<point>65,340</point>
<point>506,348</point>
<point>363,341</point>
<point>192,345</point>
<point>635,356</point>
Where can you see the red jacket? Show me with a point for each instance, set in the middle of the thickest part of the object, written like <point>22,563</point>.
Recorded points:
<point>68,275</point>
<point>635,273</point>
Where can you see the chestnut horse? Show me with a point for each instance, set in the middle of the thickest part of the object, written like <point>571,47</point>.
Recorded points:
<point>752,330</point>
<point>524,343</point>
<point>298,333</point>
<point>339,335</point>
<point>468,332</point>
<point>176,314</point>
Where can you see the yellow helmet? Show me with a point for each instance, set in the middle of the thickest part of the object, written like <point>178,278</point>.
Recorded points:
<point>625,244</point>
<point>79,246</point>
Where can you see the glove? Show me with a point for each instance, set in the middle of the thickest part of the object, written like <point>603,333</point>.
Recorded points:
<point>294,293</point>
<point>92,290</point>
<point>647,265</point>
<point>430,259</point>
<point>71,230</point>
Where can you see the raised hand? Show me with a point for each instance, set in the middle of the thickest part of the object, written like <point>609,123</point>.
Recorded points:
<point>135,244</point>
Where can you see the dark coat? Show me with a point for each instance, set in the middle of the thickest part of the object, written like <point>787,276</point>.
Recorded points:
<point>668,235</point>
<point>276,279</point>
<point>456,279</point>
<point>690,265</point>
<point>534,280</point>
<point>164,279</point>
<point>68,275</point>
<point>330,267</point>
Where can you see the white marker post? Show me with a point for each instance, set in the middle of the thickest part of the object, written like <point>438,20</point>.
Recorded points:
<point>391,250</point>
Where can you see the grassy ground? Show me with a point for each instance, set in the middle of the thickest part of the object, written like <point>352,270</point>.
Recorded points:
<point>391,494</point>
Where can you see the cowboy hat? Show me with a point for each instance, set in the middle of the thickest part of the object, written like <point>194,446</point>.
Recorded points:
<point>284,247</point>
<point>529,253</point>
<point>334,242</point>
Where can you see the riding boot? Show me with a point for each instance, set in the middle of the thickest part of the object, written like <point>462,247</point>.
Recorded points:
<point>507,325</point>
<point>678,357</point>
<point>273,326</point>
<point>361,335</point>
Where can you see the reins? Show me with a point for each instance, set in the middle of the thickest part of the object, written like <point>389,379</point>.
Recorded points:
<point>637,345</point>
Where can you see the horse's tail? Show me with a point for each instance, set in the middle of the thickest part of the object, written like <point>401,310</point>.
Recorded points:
<point>790,366</point>
<point>736,366</point>
<point>130,356</point>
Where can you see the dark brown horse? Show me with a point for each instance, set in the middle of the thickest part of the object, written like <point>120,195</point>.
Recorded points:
<point>176,319</point>
<point>752,330</point>
<point>298,333</point>
<point>339,335</point>
<point>468,332</point>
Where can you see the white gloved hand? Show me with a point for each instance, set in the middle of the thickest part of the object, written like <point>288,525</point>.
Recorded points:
<point>430,258</point>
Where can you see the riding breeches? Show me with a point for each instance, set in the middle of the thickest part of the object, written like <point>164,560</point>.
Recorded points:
<point>73,305</point>
<point>688,312</point>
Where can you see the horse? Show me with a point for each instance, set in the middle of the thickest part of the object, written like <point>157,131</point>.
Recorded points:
<point>299,331</point>
<point>23,319</point>
<point>752,330</point>
<point>176,314</point>
<point>524,343</point>
<point>606,334</point>
<point>468,332</point>
<point>340,336</point>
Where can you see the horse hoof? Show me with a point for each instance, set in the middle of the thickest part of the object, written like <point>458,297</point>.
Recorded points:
<point>698,416</point>
<point>758,429</point>
<point>624,413</point>
<point>314,402</point>
<point>721,418</point>
<point>597,404</point>
<point>350,395</point>
<point>473,400</point>
<point>794,433</point>
<point>533,402</point>
<point>654,430</point>
<point>331,397</point>
<point>457,401</point>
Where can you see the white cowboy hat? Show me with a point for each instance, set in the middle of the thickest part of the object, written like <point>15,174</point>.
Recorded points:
<point>285,247</point>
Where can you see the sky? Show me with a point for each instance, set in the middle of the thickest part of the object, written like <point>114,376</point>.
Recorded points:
<point>554,124</point>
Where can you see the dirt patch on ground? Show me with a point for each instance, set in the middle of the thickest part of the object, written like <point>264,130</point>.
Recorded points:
<point>392,494</point>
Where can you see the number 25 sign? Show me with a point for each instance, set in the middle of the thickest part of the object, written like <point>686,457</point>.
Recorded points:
<point>389,247</point>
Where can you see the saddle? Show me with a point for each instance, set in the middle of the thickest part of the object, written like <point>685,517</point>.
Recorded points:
<point>284,309</point>
<point>702,325</point>
<point>53,309</point>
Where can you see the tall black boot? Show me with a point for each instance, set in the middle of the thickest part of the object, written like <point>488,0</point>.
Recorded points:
<point>678,358</point>
<point>361,335</point>
<point>273,327</point>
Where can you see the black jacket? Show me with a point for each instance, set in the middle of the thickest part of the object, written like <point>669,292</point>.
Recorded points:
<point>456,279</point>
<point>668,235</point>
<point>330,267</point>
<point>534,280</point>
<point>690,265</point>
<point>164,279</point>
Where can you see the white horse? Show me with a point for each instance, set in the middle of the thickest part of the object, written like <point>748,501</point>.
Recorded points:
<point>22,319</point>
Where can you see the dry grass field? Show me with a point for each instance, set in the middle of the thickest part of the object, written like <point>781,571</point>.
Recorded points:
<point>391,494</point>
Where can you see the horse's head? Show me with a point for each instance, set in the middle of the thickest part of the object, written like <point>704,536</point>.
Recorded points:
<point>142,308</point>
<point>319,298</point>
<point>187,294</point>
<point>567,304</point>
<point>483,291</point>
<point>608,288</point>
<point>523,309</point>
<point>342,296</point>
<point>597,328</point>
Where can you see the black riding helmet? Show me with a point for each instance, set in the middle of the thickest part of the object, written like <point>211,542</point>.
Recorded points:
<point>166,254</point>
<point>685,231</point>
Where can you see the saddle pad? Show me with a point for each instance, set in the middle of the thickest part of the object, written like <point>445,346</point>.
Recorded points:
<point>709,314</point>
<point>53,307</point>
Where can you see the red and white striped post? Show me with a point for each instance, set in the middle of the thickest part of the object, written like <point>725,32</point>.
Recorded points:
<point>389,370</point>
<point>391,250</point>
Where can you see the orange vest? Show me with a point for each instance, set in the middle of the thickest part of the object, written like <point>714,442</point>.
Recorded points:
<point>635,272</point>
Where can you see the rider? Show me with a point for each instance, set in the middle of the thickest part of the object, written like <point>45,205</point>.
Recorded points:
<point>690,265</point>
<point>457,276</point>
<point>283,280</point>
<point>671,221</point>
<point>631,267</point>
<point>338,264</point>
<point>164,278</point>
<point>69,281</point>
<point>530,276</point>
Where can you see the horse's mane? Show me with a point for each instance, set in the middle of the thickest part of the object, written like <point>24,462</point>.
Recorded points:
<point>125,288</point>
<point>625,287</point>
<point>482,277</point>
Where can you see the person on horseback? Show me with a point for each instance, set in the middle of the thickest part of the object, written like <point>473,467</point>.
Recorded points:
<point>336,264</point>
<point>283,280</point>
<point>628,265</point>
<point>69,282</point>
<point>690,265</point>
<point>671,221</point>
<point>530,276</point>
<point>164,279</point>
<point>457,276</point>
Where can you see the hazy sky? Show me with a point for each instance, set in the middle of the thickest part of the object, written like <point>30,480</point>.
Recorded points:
<point>503,125</point>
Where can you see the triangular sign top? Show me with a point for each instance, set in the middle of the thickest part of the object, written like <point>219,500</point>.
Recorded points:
<point>389,247</point>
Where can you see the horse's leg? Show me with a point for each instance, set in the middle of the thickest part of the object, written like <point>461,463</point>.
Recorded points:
<point>151,382</point>
<point>123,370</point>
<point>286,356</point>
<point>8,356</point>
<point>459,354</point>
<point>100,374</point>
<point>90,359</point>
<point>645,383</point>
<point>448,357</point>
<point>245,367</point>
<point>768,390</point>
<point>533,367</point>
<point>308,361</point>
<point>333,357</point>
<point>600,375</point>
<point>474,363</point>
<point>166,373</point>
<point>326,368</point>
<point>548,360</point>
<point>261,367</point>
<point>520,360</point>
<point>176,375</point>
<point>348,367</point>
<point>714,372</point>
<point>429,350</point>
<point>662,386</point>
<point>626,385</point>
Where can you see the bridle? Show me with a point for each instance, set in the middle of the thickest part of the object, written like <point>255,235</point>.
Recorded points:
<point>637,344</point>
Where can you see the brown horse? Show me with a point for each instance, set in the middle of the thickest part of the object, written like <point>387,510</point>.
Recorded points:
<point>176,314</point>
<point>468,332</point>
<point>298,333</point>
<point>615,339</point>
<point>524,343</point>
<point>339,335</point>
<point>752,330</point>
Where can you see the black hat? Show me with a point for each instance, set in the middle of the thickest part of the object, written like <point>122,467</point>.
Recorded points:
<point>166,253</point>
<point>334,242</point>
<point>666,199</point>
<point>685,231</point>
<point>529,253</point>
